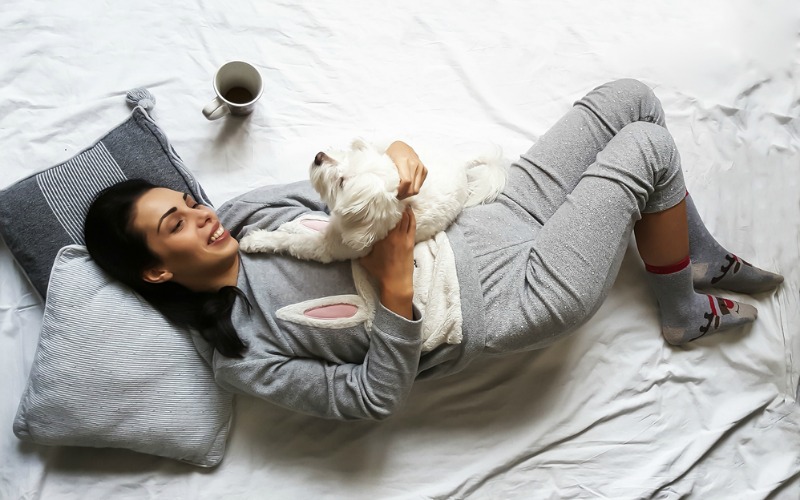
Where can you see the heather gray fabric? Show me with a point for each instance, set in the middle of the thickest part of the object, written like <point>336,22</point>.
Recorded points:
<point>44,212</point>
<point>550,248</point>
<point>110,371</point>
<point>342,373</point>
<point>545,256</point>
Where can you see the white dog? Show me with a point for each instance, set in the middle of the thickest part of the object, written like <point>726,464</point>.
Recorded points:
<point>360,184</point>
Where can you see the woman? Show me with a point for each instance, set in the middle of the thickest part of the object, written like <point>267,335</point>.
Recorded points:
<point>530,267</point>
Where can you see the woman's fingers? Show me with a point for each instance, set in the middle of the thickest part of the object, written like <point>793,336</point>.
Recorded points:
<point>402,226</point>
<point>409,167</point>
<point>406,179</point>
<point>412,175</point>
<point>411,220</point>
<point>419,177</point>
<point>391,260</point>
<point>404,187</point>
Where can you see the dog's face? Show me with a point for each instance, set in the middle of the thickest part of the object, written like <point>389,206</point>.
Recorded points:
<point>359,185</point>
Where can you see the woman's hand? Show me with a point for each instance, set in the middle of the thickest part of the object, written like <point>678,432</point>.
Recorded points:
<point>412,171</point>
<point>391,262</point>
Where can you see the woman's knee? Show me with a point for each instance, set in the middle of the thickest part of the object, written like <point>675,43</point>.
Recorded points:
<point>653,140</point>
<point>625,101</point>
<point>632,92</point>
<point>644,157</point>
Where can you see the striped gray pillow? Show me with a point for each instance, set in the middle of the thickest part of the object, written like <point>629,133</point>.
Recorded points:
<point>46,211</point>
<point>110,371</point>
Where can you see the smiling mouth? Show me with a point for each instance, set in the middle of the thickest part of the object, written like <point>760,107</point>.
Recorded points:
<point>217,234</point>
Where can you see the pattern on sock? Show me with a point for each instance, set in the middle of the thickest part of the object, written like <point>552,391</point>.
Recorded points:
<point>714,266</point>
<point>719,307</point>
<point>687,315</point>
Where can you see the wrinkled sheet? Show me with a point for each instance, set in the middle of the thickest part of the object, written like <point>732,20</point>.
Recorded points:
<point>611,411</point>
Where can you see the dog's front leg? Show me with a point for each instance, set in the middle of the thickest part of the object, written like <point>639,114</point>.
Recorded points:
<point>306,245</point>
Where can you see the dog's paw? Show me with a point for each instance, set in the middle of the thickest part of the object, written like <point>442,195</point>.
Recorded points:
<point>255,242</point>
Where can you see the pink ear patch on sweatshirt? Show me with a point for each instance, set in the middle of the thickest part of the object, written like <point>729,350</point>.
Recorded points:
<point>333,311</point>
<point>315,224</point>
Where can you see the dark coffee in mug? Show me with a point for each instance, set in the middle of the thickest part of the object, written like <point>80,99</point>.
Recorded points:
<point>238,86</point>
<point>238,95</point>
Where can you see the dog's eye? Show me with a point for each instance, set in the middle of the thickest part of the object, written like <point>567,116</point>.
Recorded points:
<point>341,182</point>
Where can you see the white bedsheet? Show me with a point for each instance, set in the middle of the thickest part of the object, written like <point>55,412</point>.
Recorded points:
<point>610,412</point>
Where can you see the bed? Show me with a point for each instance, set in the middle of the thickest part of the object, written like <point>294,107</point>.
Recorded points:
<point>610,412</point>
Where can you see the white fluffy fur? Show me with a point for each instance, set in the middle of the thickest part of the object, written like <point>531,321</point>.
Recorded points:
<point>359,185</point>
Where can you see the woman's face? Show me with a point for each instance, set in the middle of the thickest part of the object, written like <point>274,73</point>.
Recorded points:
<point>193,247</point>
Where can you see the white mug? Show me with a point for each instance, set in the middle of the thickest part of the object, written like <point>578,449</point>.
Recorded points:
<point>238,86</point>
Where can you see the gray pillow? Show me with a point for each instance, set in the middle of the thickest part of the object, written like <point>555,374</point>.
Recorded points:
<point>110,371</point>
<point>44,212</point>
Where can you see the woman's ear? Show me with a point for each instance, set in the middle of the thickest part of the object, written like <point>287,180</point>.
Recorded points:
<point>156,275</point>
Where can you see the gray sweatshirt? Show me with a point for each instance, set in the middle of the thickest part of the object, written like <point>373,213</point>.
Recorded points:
<point>343,373</point>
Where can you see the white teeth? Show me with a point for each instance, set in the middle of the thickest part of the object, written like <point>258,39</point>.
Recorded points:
<point>216,234</point>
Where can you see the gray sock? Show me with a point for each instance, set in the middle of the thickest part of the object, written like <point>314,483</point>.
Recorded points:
<point>687,315</point>
<point>713,266</point>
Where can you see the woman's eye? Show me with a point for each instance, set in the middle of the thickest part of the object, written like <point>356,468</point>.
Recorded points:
<point>178,226</point>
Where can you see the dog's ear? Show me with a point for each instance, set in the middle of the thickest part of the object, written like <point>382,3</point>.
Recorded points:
<point>364,211</point>
<point>357,224</point>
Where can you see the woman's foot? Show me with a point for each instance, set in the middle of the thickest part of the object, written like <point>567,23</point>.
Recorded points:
<point>733,273</point>
<point>687,315</point>
<point>715,267</point>
<point>705,315</point>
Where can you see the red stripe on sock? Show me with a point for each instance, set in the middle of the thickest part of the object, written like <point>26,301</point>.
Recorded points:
<point>673,268</point>
<point>713,306</point>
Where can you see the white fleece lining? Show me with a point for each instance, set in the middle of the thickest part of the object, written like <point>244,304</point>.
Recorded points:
<point>437,293</point>
<point>296,312</point>
<point>366,291</point>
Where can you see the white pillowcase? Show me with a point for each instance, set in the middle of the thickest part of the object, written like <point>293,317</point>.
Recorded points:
<point>110,371</point>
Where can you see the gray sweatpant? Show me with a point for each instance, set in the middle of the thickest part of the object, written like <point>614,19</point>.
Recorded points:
<point>550,248</point>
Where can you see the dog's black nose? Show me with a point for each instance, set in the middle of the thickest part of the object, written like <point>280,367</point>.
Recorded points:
<point>320,158</point>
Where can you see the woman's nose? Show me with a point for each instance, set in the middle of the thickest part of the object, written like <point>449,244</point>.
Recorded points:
<point>203,219</point>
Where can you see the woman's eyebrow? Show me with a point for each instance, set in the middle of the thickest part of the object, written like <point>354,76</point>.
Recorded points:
<point>168,213</point>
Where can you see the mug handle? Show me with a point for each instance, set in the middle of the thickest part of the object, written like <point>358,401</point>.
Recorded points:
<point>215,109</point>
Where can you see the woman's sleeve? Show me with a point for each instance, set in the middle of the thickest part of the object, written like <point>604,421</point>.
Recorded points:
<point>268,207</point>
<point>373,389</point>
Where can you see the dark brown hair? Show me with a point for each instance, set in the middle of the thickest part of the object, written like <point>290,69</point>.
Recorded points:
<point>123,254</point>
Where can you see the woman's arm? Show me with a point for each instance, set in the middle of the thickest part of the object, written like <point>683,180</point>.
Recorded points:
<point>374,389</point>
<point>391,263</point>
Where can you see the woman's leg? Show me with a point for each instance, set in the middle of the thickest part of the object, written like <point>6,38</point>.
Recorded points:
<point>541,179</point>
<point>574,259</point>
<point>662,238</point>
<point>663,242</point>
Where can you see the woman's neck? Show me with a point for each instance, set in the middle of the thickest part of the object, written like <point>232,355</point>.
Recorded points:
<point>227,276</point>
